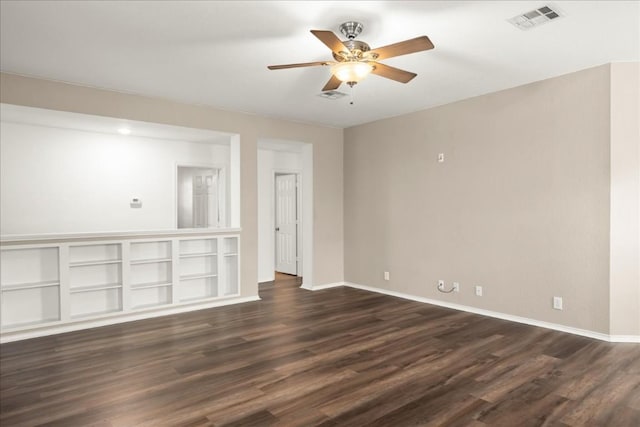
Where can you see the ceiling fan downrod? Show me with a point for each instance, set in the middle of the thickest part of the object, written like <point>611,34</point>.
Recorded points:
<point>351,29</point>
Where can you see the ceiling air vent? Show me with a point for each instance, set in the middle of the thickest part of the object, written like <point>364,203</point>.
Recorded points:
<point>535,17</point>
<point>332,94</point>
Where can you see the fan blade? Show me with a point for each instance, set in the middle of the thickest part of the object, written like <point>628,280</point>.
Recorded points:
<point>403,48</point>
<point>304,64</point>
<point>333,84</point>
<point>331,40</point>
<point>392,73</point>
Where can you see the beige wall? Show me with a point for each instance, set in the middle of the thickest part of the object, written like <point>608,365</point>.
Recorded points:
<point>520,205</point>
<point>327,157</point>
<point>535,198</point>
<point>625,199</point>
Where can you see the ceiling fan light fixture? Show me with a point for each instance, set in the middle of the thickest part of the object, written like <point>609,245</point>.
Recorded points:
<point>351,71</point>
<point>354,59</point>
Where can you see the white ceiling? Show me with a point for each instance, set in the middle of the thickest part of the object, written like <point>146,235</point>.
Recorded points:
<point>216,53</point>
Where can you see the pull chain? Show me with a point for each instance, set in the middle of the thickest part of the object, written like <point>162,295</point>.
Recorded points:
<point>351,85</point>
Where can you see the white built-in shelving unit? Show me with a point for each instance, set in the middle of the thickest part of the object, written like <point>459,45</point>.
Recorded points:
<point>59,283</point>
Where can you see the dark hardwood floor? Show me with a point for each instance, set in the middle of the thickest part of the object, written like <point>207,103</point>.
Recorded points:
<point>334,357</point>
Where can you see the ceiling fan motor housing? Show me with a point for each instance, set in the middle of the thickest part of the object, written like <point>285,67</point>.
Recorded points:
<point>356,49</point>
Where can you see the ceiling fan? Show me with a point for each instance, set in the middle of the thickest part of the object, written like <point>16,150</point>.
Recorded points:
<point>354,59</point>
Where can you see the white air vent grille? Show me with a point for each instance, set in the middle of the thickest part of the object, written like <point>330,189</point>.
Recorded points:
<point>332,94</point>
<point>535,17</point>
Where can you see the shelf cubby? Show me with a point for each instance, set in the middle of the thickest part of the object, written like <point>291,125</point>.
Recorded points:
<point>29,266</point>
<point>197,276</point>
<point>198,288</point>
<point>230,245</point>
<point>147,297</point>
<point>29,286</point>
<point>30,306</point>
<point>159,272</point>
<point>198,269</point>
<point>199,265</point>
<point>95,279</point>
<point>95,254</point>
<point>230,265</point>
<point>151,269</point>
<point>96,302</point>
<point>95,275</point>
<point>197,247</point>
<point>150,252</point>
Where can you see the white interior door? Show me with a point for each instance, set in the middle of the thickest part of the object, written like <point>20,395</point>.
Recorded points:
<point>205,202</point>
<point>286,224</point>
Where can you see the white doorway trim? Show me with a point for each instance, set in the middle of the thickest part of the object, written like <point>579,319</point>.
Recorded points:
<point>307,216</point>
<point>305,151</point>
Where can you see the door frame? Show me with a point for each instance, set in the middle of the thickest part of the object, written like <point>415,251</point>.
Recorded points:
<point>306,166</point>
<point>299,216</point>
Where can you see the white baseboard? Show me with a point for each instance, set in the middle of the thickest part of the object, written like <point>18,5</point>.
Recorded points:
<point>323,286</point>
<point>625,338</point>
<point>503,316</point>
<point>9,336</point>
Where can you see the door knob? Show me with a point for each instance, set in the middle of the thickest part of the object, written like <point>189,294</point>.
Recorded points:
<point>277,228</point>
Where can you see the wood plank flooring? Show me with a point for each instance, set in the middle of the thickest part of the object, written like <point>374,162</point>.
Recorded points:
<point>338,357</point>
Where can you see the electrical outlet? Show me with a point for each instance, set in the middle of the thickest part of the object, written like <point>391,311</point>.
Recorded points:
<point>479,291</point>
<point>441,284</point>
<point>557,303</point>
<point>386,275</point>
<point>456,287</point>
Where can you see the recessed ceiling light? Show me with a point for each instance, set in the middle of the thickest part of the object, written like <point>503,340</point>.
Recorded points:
<point>124,131</point>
